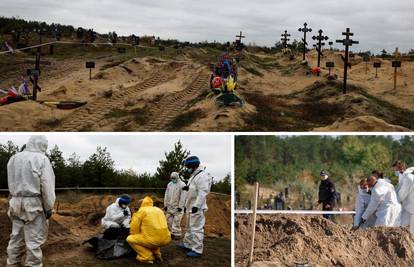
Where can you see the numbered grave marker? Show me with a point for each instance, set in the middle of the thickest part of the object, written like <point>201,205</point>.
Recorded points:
<point>347,42</point>
<point>90,65</point>
<point>330,65</point>
<point>377,65</point>
<point>396,64</point>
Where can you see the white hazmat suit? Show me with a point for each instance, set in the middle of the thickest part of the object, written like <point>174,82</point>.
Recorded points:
<point>199,187</point>
<point>361,204</point>
<point>115,217</point>
<point>384,205</point>
<point>32,188</point>
<point>174,200</point>
<point>405,193</point>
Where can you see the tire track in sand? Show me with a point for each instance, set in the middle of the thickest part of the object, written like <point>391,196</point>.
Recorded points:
<point>92,113</point>
<point>170,106</point>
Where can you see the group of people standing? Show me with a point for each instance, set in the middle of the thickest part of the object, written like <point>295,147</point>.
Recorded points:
<point>379,204</point>
<point>31,182</point>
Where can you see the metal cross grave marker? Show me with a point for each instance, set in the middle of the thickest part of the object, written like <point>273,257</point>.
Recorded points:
<point>239,44</point>
<point>347,42</point>
<point>305,30</point>
<point>285,39</point>
<point>320,38</point>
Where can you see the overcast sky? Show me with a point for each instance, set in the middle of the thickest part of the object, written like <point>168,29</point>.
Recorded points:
<point>377,24</point>
<point>142,153</point>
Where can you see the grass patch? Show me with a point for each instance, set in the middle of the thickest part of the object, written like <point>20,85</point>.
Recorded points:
<point>186,119</point>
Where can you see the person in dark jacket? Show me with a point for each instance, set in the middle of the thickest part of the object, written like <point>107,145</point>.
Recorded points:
<point>326,195</point>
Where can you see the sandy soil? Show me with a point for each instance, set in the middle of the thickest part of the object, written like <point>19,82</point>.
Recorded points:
<point>171,94</point>
<point>77,220</point>
<point>299,240</point>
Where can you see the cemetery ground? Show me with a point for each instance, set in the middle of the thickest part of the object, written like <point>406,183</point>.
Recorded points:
<point>77,218</point>
<point>153,90</point>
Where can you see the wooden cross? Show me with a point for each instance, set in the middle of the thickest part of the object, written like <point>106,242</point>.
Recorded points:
<point>239,44</point>
<point>285,39</point>
<point>305,30</point>
<point>319,45</point>
<point>240,36</point>
<point>347,42</point>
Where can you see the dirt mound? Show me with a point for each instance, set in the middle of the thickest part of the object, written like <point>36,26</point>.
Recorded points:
<point>218,219</point>
<point>291,240</point>
<point>363,124</point>
<point>322,104</point>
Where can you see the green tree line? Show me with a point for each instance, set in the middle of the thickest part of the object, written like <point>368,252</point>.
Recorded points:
<point>271,159</point>
<point>99,169</point>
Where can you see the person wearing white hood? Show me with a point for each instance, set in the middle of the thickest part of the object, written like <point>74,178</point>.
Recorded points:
<point>361,204</point>
<point>174,200</point>
<point>405,193</point>
<point>31,182</point>
<point>117,216</point>
<point>198,188</point>
<point>383,204</point>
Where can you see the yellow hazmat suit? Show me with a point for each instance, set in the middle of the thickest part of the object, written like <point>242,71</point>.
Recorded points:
<point>149,231</point>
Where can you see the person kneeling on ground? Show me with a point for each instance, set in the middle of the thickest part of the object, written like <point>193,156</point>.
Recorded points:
<point>361,204</point>
<point>117,218</point>
<point>149,231</point>
<point>383,203</point>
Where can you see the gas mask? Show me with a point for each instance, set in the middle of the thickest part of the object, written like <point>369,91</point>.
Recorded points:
<point>188,170</point>
<point>174,180</point>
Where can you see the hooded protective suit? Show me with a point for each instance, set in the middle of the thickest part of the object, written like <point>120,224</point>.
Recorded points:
<point>114,216</point>
<point>31,184</point>
<point>361,204</point>
<point>199,187</point>
<point>405,194</point>
<point>174,200</point>
<point>149,231</point>
<point>384,205</point>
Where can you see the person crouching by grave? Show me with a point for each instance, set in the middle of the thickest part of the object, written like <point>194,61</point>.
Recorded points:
<point>405,193</point>
<point>326,195</point>
<point>117,218</point>
<point>198,188</point>
<point>149,232</point>
<point>174,200</point>
<point>361,204</point>
<point>383,204</point>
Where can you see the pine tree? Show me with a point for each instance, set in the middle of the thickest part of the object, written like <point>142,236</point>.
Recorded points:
<point>172,163</point>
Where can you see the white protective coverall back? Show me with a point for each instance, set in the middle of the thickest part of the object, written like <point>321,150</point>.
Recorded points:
<point>114,216</point>
<point>361,204</point>
<point>384,205</point>
<point>199,187</point>
<point>174,199</point>
<point>31,184</point>
<point>405,193</point>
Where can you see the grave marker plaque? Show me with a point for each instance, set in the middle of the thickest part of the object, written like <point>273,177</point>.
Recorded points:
<point>90,65</point>
<point>377,65</point>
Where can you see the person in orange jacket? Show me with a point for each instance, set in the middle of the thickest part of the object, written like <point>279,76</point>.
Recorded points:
<point>149,232</point>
